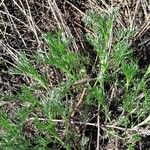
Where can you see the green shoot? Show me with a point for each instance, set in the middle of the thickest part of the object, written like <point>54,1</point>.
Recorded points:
<point>24,67</point>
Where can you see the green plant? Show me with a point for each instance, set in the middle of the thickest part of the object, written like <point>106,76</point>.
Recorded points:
<point>120,67</point>
<point>116,70</point>
<point>132,141</point>
<point>129,70</point>
<point>100,40</point>
<point>25,67</point>
<point>60,56</point>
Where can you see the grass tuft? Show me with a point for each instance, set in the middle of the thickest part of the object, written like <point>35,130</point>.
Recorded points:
<point>118,83</point>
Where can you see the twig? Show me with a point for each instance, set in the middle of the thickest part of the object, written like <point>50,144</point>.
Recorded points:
<point>2,103</point>
<point>142,123</point>
<point>125,130</point>
<point>1,2</point>
<point>62,121</point>
<point>98,129</point>
<point>86,29</point>
<point>79,102</point>
<point>114,127</point>
<point>134,14</point>
<point>143,29</point>
<point>84,80</point>
<point>81,12</point>
<point>89,120</point>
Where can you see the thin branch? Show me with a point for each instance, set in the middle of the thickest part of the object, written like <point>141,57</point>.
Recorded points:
<point>142,123</point>
<point>80,101</point>
<point>98,129</point>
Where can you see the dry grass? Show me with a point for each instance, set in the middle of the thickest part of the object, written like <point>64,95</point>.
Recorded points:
<point>23,22</point>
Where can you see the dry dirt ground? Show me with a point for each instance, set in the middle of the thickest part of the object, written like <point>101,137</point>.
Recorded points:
<point>22,23</point>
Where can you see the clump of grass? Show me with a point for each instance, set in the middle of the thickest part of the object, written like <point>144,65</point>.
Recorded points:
<point>60,56</point>
<point>52,103</point>
<point>26,68</point>
<point>115,66</point>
